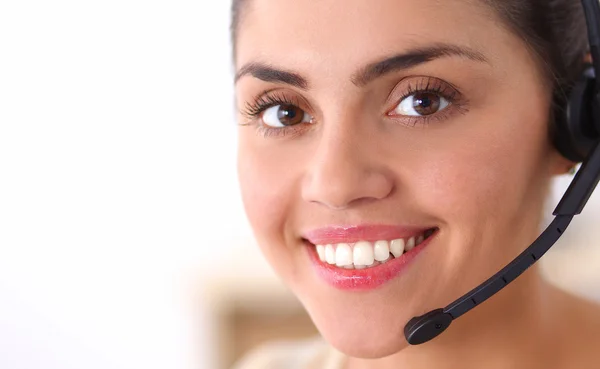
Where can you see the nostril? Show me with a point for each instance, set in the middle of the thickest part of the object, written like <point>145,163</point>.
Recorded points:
<point>340,185</point>
<point>341,204</point>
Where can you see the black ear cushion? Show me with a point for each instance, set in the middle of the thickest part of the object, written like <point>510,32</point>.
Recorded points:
<point>575,133</point>
<point>562,138</point>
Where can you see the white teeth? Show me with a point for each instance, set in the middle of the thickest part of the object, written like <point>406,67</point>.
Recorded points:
<point>321,252</point>
<point>363,254</point>
<point>343,255</point>
<point>330,254</point>
<point>410,244</point>
<point>381,250</point>
<point>397,247</point>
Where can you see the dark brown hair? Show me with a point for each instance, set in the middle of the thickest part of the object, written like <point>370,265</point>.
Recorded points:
<point>554,30</point>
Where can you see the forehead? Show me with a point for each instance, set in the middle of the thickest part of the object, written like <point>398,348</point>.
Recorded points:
<point>333,29</point>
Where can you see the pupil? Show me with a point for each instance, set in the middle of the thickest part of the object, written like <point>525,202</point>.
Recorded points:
<point>426,103</point>
<point>289,115</point>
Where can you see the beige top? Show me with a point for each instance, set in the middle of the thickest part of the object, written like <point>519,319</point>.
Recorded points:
<point>308,354</point>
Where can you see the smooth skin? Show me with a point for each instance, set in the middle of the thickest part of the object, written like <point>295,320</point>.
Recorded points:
<point>478,169</point>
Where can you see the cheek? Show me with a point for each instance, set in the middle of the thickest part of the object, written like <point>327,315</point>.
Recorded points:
<point>494,167</point>
<point>267,196</point>
<point>488,184</point>
<point>462,184</point>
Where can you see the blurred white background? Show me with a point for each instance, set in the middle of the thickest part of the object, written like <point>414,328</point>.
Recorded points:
<point>118,191</point>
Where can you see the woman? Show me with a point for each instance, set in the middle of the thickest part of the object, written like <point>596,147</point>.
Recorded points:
<point>393,155</point>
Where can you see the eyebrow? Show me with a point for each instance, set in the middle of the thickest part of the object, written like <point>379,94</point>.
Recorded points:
<point>413,58</point>
<point>370,72</point>
<point>269,73</point>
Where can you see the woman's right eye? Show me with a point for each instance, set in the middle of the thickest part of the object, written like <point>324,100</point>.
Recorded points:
<point>280,116</point>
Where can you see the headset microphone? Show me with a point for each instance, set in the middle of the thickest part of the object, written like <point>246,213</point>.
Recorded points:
<point>578,138</point>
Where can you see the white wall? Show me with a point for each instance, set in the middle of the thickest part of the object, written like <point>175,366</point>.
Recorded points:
<point>117,180</point>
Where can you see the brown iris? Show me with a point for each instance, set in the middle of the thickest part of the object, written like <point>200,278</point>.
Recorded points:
<point>290,115</point>
<point>426,103</point>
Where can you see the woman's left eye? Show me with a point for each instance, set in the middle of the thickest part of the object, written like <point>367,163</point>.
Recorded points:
<point>421,104</point>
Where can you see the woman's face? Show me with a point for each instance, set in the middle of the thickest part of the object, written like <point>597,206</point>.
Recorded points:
<point>385,121</point>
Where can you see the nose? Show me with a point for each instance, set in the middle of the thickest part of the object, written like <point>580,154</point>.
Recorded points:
<point>346,169</point>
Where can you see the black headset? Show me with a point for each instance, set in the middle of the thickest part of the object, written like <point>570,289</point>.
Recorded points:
<point>578,139</point>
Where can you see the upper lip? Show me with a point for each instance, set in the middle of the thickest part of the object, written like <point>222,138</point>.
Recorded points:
<point>365,232</point>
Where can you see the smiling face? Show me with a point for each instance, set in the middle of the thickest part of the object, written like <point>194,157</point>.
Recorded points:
<point>388,121</point>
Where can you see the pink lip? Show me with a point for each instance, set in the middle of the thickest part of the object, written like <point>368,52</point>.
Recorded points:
<point>352,234</point>
<point>365,279</point>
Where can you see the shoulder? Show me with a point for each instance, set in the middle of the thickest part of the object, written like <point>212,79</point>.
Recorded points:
<point>284,355</point>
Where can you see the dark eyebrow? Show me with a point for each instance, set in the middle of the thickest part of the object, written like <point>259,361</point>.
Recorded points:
<point>411,59</point>
<point>364,76</point>
<point>268,73</point>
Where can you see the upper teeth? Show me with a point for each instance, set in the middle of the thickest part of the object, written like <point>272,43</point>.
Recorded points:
<point>364,254</point>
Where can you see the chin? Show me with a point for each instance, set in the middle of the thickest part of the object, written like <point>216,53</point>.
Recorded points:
<point>365,340</point>
<point>359,326</point>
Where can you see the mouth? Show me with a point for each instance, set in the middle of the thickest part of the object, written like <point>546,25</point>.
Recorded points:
<point>365,264</point>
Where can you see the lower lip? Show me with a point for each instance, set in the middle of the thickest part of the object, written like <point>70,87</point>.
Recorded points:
<point>364,279</point>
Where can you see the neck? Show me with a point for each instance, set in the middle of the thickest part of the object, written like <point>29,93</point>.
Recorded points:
<point>513,329</point>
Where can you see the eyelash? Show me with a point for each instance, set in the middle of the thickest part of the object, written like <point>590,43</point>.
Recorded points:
<point>253,110</point>
<point>433,86</point>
